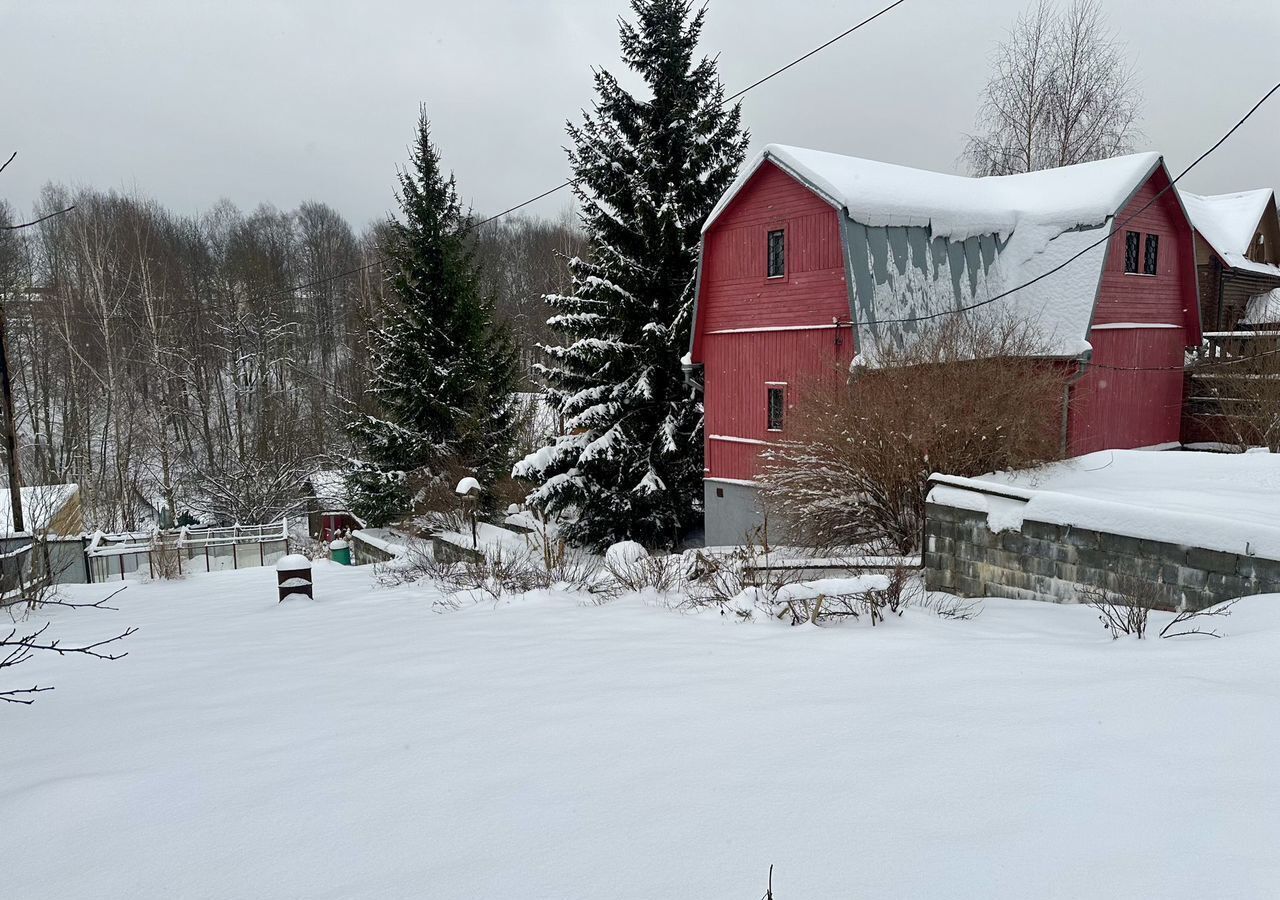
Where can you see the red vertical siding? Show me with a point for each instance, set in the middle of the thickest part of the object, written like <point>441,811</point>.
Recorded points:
<point>1115,408</point>
<point>738,370</point>
<point>736,293</point>
<point>1168,297</point>
<point>1132,392</point>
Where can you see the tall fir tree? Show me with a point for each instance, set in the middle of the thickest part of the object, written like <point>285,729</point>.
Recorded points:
<point>444,368</point>
<point>647,172</point>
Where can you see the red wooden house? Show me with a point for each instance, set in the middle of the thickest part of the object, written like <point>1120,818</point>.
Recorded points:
<point>812,258</point>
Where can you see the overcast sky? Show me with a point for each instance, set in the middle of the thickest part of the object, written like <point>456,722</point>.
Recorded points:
<point>280,102</point>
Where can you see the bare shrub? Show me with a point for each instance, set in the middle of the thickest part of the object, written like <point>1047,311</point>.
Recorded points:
<point>969,396</point>
<point>1127,610</point>
<point>1244,385</point>
<point>492,572</point>
<point>738,582</point>
<point>1196,621</point>
<point>165,557</point>
<point>1123,612</point>
<point>662,574</point>
<point>949,606</point>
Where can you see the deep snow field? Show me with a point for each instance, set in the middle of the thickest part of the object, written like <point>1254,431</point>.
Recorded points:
<point>364,746</point>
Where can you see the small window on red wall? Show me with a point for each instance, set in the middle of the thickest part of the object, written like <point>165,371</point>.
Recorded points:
<point>777,406</point>
<point>777,254</point>
<point>1131,239</point>
<point>1150,262</point>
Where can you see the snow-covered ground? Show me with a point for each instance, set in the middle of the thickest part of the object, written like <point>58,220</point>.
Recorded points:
<point>365,746</point>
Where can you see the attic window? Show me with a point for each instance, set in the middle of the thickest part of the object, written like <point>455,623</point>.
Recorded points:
<point>777,405</point>
<point>1131,241</point>
<point>777,254</point>
<point>1152,257</point>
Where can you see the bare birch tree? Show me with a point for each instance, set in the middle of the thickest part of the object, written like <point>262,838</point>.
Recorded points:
<point>1061,92</point>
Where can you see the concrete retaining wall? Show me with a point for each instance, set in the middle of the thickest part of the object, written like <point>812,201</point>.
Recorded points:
<point>733,515</point>
<point>1052,562</point>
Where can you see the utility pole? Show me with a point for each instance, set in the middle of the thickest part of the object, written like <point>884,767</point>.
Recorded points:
<point>10,428</point>
<point>6,384</point>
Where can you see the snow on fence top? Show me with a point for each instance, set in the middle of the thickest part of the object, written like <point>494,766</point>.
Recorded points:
<point>1228,222</point>
<point>1217,501</point>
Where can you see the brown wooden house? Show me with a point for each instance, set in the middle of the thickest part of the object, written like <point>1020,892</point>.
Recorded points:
<point>1237,259</point>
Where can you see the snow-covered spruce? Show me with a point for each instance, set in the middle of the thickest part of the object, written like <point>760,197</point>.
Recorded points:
<point>443,367</point>
<point>647,172</point>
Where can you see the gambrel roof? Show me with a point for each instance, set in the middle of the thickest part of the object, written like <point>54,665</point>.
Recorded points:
<point>921,243</point>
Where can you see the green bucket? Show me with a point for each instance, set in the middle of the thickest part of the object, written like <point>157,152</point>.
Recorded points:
<point>340,552</point>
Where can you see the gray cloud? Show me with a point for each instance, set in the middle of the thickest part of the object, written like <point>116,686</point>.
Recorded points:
<point>287,101</point>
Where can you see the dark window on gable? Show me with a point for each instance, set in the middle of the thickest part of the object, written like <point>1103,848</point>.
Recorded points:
<point>1152,257</point>
<point>777,254</point>
<point>1131,239</point>
<point>777,404</point>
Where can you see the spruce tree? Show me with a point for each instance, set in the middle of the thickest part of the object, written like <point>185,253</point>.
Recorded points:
<point>443,369</point>
<point>647,172</point>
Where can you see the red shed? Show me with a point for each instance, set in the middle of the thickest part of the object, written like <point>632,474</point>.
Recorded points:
<point>812,258</point>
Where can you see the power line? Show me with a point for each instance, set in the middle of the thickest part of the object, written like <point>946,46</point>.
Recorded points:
<point>725,102</point>
<point>572,181</point>
<point>815,50</point>
<point>1102,240</point>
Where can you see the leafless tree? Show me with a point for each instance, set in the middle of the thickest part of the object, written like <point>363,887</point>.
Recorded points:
<point>21,644</point>
<point>152,351</point>
<point>855,467</point>
<point>1061,92</point>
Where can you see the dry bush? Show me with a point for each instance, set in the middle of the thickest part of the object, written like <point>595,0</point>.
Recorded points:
<point>968,397</point>
<point>751,571</point>
<point>495,572</point>
<point>1245,388</point>
<point>949,606</point>
<point>1196,621</point>
<point>1127,610</point>
<point>1124,611</point>
<point>165,558</point>
<point>664,574</point>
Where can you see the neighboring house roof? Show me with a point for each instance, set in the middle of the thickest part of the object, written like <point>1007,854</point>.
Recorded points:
<point>1264,309</point>
<point>41,505</point>
<point>330,487</point>
<point>923,243</point>
<point>1228,222</point>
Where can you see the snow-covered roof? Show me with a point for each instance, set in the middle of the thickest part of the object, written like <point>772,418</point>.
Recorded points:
<point>921,244</point>
<point>1228,222</point>
<point>1263,309</point>
<point>330,486</point>
<point>40,505</point>
<point>957,206</point>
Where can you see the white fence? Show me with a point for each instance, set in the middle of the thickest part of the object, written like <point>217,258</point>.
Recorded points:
<point>156,554</point>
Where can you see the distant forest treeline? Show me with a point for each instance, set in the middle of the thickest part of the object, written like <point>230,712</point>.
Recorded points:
<point>169,363</point>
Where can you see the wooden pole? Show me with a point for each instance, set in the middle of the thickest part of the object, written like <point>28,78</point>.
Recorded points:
<point>10,430</point>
